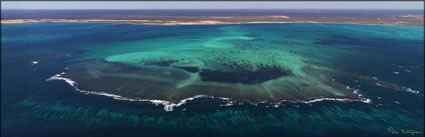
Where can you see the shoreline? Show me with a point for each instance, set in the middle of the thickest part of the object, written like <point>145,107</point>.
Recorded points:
<point>199,22</point>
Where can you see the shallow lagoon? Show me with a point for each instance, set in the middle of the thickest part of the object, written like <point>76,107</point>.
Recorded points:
<point>380,63</point>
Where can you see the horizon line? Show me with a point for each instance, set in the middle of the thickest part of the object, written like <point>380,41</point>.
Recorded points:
<point>230,9</point>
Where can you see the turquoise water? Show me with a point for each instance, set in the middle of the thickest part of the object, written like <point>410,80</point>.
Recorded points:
<point>255,66</point>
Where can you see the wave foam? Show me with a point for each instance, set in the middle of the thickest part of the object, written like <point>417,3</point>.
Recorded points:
<point>34,62</point>
<point>168,106</point>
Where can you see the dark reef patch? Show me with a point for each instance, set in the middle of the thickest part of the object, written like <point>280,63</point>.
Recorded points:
<point>245,76</point>
<point>188,68</point>
<point>163,63</point>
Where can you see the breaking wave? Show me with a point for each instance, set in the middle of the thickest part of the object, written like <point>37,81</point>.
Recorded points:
<point>168,106</point>
<point>393,86</point>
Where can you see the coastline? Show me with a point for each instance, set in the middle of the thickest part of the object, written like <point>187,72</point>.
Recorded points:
<point>197,22</point>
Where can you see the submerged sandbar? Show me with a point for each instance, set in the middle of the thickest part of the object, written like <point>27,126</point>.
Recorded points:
<point>174,84</point>
<point>253,63</point>
<point>233,64</point>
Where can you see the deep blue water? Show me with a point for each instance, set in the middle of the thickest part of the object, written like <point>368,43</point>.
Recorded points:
<point>32,106</point>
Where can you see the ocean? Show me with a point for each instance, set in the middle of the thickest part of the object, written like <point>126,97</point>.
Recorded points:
<point>381,63</point>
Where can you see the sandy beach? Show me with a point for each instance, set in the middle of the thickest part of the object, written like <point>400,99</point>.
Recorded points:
<point>409,19</point>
